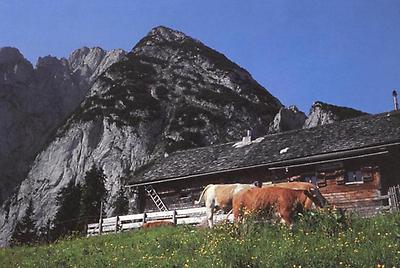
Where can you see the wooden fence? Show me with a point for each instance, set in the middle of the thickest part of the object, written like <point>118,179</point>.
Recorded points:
<point>128,222</point>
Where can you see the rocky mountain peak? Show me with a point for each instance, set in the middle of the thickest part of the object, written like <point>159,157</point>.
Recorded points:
<point>9,55</point>
<point>287,119</point>
<point>50,66</point>
<point>14,68</point>
<point>169,70</point>
<point>162,33</point>
<point>323,113</point>
<point>89,57</point>
<point>89,63</point>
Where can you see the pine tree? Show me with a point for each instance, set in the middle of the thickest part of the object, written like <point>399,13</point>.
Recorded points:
<point>92,194</point>
<point>121,204</point>
<point>66,219</point>
<point>24,232</point>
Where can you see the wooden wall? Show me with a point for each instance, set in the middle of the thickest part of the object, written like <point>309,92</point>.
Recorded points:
<point>182,193</point>
<point>364,198</point>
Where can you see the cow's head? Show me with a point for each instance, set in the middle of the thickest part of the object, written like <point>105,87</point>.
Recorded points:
<point>315,195</point>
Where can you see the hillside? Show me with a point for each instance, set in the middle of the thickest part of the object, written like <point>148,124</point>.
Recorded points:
<point>318,240</point>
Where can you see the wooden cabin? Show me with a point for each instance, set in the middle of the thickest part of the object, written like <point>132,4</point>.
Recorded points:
<point>354,162</point>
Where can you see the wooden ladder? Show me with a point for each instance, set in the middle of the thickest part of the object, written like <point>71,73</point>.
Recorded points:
<point>394,198</point>
<point>156,198</point>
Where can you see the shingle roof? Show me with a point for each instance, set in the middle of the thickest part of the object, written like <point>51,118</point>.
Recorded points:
<point>356,133</point>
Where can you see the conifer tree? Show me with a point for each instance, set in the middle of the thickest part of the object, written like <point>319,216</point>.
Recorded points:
<point>67,217</point>
<point>92,194</point>
<point>121,204</point>
<point>24,232</point>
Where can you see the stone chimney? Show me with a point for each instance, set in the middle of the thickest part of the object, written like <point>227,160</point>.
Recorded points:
<point>247,138</point>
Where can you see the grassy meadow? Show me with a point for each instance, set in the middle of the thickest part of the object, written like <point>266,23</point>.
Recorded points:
<point>317,240</point>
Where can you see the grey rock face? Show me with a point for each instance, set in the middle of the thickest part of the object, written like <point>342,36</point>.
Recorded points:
<point>170,93</point>
<point>89,63</point>
<point>14,68</point>
<point>323,113</point>
<point>287,119</point>
<point>34,101</point>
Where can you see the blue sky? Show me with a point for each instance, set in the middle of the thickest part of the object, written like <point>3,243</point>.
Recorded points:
<point>344,52</point>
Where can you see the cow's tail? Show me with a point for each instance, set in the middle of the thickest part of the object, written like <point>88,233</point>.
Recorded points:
<point>202,195</point>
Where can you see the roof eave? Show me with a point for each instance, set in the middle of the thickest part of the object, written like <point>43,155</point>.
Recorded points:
<point>307,160</point>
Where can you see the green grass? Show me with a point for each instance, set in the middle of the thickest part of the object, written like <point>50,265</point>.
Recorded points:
<point>317,240</point>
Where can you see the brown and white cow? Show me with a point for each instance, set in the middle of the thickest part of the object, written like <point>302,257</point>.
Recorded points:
<point>219,197</point>
<point>283,201</point>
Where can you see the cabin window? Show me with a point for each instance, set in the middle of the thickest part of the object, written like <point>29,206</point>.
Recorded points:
<point>354,177</point>
<point>367,173</point>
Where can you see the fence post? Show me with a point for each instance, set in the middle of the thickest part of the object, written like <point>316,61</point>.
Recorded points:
<point>101,218</point>
<point>116,224</point>
<point>393,197</point>
<point>100,226</point>
<point>174,217</point>
<point>396,197</point>
<point>144,217</point>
